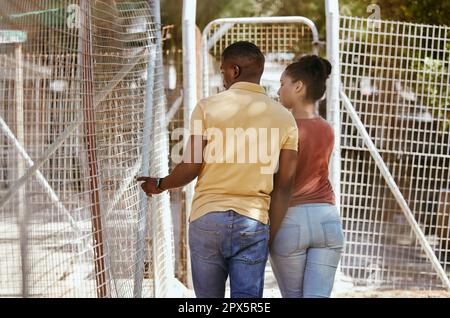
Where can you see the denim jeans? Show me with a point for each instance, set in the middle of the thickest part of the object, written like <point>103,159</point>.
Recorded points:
<point>306,251</point>
<point>226,244</point>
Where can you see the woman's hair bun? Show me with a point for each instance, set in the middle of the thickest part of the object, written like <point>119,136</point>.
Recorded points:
<point>327,66</point>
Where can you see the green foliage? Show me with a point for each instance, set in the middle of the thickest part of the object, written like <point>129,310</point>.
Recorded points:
<point>432,74</point>
<point>417,11</point>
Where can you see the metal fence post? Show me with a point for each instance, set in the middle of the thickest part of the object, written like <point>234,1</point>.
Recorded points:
<point>145,170</point>
<point>90,138</point>
<point>190,94</point>
<point>333,102</point>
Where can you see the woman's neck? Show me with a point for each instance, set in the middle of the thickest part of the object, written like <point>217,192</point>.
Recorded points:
<point>303,110</point>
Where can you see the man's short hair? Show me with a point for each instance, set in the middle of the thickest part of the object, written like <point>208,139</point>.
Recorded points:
<point>244,49</point>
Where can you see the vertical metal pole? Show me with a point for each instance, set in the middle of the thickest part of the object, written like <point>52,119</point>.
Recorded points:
<point>89,128</point>
<point>189,97</point>
<point>198,51</point>
<point>159,102</point>
<point>145,170</point>
<point>23,216</point>
<point>205,58</point>
<point>333,102</point>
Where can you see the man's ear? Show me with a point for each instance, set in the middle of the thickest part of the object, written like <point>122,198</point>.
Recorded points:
<point>236,71</point>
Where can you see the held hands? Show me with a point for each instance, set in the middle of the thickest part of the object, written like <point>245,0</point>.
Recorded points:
<point>149,186</point>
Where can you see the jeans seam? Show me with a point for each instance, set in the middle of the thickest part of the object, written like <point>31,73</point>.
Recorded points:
<point>309,227</point>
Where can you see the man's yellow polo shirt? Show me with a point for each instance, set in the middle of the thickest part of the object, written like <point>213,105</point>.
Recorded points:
<point>245,130</point>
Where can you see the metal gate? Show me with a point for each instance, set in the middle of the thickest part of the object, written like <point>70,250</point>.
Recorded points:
<point>394,156</point>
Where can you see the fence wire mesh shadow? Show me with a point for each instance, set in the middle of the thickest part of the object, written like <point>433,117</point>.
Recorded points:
<point>77,80</point>
<point>397,77</point>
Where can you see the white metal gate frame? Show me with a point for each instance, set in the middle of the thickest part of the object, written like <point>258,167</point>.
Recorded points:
<point>228,23</point>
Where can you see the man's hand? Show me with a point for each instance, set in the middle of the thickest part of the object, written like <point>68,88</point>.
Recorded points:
<point>149,185</point>
<point>183,173</point>
<point>282,187</point>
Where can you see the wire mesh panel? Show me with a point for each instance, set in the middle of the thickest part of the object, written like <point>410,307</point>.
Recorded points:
<point>397,76</point>
<point>77,80</point>
<point>280,41</point>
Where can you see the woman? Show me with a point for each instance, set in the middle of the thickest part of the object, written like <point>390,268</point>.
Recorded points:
<point>308,245</point>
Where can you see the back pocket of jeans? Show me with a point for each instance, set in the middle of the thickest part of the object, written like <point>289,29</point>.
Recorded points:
<point>254,246</point>
<point>287,240</point>
<point>333,235</point>
<point>203,243</point>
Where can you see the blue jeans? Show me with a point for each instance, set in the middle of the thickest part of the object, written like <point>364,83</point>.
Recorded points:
<point>306,251</point>
<point>226,244</point>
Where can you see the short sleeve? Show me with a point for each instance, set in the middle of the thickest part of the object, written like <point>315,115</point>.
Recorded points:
<point>197,123</point>
<point>291,139</point>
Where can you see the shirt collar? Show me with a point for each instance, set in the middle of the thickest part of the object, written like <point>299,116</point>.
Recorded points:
<point>252,87</point>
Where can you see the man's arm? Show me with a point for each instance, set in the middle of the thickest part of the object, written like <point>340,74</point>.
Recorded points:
<point>183,173</point>
<point>282,187</point>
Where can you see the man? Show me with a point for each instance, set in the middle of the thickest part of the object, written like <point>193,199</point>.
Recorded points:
<point>231,134</point>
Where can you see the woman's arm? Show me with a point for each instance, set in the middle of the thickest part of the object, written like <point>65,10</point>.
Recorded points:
<point>282,188</point>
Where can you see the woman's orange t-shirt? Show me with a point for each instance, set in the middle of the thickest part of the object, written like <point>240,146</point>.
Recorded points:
<point>316,141</point>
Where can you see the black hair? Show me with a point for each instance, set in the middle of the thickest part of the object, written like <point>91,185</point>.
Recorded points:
<point>244,50</point>
<point>313,71</point>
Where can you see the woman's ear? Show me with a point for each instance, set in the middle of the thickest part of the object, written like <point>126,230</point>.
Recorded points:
<point>299,86</point>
